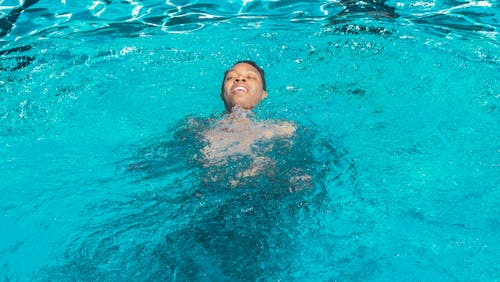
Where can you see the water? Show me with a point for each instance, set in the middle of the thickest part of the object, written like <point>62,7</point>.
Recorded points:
<point>397,106</point>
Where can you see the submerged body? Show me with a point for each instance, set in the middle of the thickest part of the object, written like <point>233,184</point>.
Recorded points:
<point>254,179</point>
<point>240,135</point>
<point>239,132</point>
<point>247,183</point>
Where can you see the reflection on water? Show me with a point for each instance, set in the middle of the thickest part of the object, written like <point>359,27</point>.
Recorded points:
<point>376,9</point>
<point>199,225</point>
<point>41,19</point>
<point>9,21</point>
<point>17,60</point>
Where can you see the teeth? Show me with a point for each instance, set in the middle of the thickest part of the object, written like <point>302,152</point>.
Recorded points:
<point>240,88</point>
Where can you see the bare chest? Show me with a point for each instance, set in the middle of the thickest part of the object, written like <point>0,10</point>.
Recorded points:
<point>224,141</point>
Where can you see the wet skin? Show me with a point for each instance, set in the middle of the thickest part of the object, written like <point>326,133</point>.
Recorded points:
<point>243,87</point>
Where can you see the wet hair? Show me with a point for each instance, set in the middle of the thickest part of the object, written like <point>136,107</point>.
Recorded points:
<point>253,64</point>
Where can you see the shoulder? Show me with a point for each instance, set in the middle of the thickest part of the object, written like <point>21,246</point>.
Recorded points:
<point>277,129</point>
<point>285,128</point>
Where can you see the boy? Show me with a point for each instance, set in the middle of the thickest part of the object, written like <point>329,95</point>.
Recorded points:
<point>234,234</point>
<point>238,132</point>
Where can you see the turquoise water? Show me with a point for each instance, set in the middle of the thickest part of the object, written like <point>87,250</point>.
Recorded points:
<point>398,105</point>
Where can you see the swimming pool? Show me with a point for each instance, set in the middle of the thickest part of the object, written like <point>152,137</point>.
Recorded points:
<point>399,105</point>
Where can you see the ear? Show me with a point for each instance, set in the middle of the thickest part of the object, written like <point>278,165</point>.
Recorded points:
<point>264,95</point>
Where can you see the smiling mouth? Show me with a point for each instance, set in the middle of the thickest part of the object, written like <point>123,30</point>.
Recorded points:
<point>240,88</point>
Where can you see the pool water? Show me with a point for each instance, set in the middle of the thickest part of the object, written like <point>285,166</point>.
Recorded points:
<point>397,106</point>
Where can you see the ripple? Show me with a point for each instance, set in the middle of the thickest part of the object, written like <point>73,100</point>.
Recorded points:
<point>42,18</point>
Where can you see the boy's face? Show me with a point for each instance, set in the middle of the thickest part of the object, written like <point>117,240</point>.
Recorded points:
<point>242,87</point>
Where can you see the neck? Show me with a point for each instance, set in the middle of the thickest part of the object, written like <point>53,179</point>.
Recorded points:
<point>239,114</point>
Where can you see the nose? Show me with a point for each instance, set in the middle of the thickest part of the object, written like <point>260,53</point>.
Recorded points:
<point>240,78</point>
